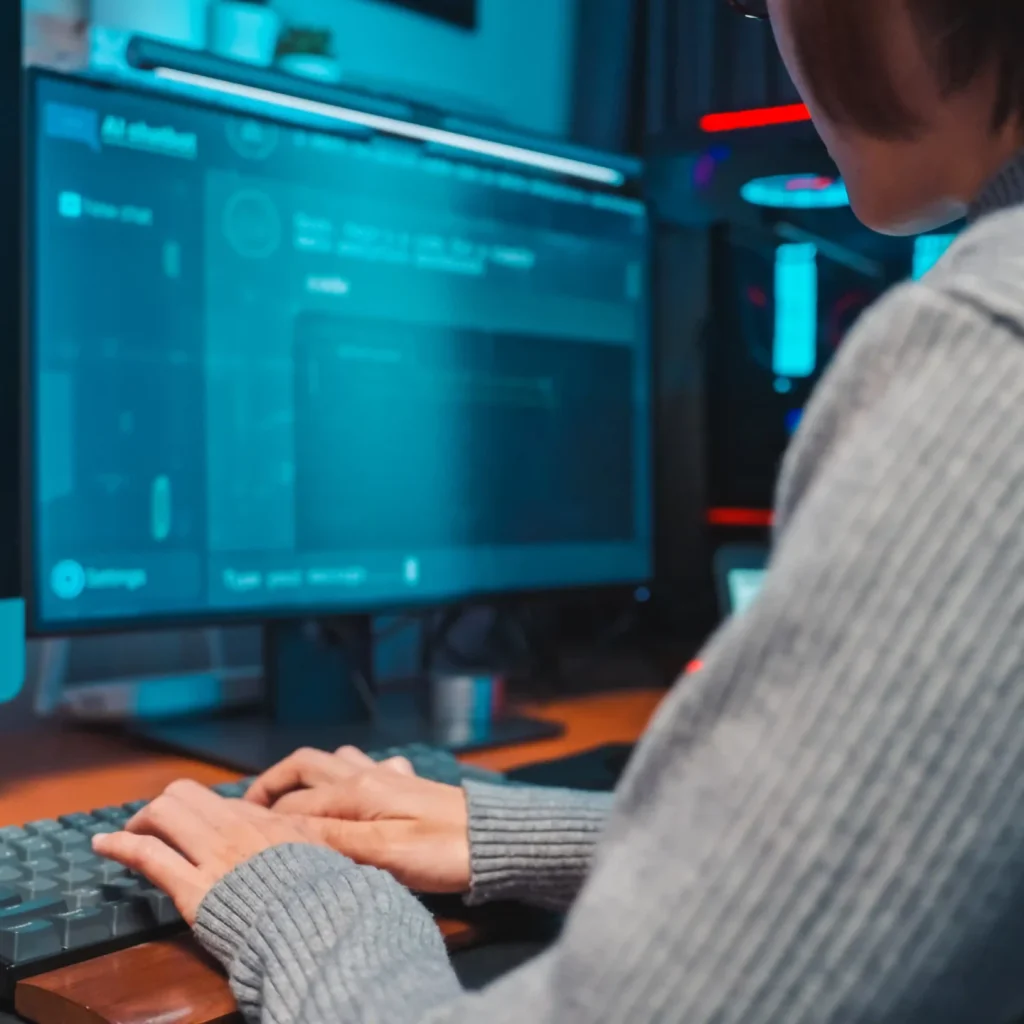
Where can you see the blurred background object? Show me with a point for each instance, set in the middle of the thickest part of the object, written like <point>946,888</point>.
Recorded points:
<point>56,33</point>
<point>244,30</point>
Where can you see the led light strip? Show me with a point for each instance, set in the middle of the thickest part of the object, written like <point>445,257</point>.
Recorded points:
<point>404,129</point>
<point>761,117</point>
<point>796,310</point>
<point>740,517</point>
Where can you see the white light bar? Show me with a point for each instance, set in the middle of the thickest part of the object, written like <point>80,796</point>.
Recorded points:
<point>405,129</point>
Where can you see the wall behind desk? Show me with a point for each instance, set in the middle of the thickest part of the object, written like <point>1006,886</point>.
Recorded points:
<point>517,65</point>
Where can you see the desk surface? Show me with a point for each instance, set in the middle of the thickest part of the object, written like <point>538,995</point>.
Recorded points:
<point>53,772</point>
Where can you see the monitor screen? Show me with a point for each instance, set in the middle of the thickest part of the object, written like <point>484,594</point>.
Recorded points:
<point>275,371</point>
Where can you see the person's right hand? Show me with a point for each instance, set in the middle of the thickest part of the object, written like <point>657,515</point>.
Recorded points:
<point>382,815</point>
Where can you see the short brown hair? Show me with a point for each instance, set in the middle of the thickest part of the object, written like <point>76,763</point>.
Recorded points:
<point>845,62</point>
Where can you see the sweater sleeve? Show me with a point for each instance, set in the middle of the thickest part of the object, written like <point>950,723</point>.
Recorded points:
<point>825,825</point>
<point>531,844</point>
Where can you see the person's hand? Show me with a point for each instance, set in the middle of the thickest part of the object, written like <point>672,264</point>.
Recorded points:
<point>188,839</point>
<point>381,815</point>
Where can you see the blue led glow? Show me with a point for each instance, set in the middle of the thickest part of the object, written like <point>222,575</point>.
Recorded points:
<point>795,351</point>
<point>793,418</point>
<point>928,250</point>
<point>796,192</point>
<point>12,649</point>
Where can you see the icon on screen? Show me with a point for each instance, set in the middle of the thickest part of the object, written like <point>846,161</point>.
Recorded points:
<point>73,124</point>
<point>70,204</point>
<point>67,579</point>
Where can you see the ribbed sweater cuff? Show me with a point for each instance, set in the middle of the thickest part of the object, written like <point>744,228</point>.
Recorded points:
<point>531,844</point>
<point>295,918</point>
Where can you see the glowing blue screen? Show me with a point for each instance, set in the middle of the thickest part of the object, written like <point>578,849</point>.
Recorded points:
<point>276,370</point>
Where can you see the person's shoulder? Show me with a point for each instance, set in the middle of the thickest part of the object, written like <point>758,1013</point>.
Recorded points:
<point>993,240</point>
<point>984,269</point>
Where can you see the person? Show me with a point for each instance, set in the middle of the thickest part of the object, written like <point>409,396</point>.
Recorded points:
<point>826,823</point>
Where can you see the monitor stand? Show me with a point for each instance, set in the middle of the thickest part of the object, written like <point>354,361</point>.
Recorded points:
<point>320,694</point>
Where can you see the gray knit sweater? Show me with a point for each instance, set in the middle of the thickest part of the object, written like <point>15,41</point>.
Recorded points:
<point>827,823</point>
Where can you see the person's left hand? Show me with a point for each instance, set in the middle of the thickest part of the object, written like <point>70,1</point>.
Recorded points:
<point>189,838</point>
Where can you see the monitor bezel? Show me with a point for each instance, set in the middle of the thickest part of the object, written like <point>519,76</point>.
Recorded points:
<point>39,627</point>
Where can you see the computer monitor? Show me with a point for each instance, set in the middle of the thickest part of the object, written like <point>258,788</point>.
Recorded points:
<point>276,372</point>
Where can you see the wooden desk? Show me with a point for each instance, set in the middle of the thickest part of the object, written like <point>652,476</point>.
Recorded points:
<point>57,772</point>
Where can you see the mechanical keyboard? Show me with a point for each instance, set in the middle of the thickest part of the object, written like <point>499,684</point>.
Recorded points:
<point>61,904</point>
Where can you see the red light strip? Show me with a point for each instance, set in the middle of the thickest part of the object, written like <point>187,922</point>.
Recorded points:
<point>740,516</point>
<point>761,117</point>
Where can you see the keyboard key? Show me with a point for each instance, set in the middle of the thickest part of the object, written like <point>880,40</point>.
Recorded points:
<point>10,874</point>
<point>120,889</point>
<point>129,917</point>
<point>12,832</point>
<point>31,940</point>
<point>162,906</point>
<point>113,813</point>
<point>134,806</point>
<point>9,897</point>
<point>38,888</point>
<point>232,790</point>
<point>77,821</point>
<point>29,910</point>
<point>73,879</point>
<point>42,868</point>
<point>77,929</point>
<point>105,829</point>
<point>68,839</point>
<point>83,899</point>
<point>31,848</point>
<point>116,817</point>
<point>110,871</point>
<point>79,857</point>
<point>43,827</point>
<point>8,856</point>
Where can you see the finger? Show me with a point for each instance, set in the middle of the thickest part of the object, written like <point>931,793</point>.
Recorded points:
<point>402,765</point>
<point>303,769</point>
<point>354,757</point>
<point>154,859</point>
<point>177,823</point>
<point>200,799</point>
<point>364,796</point>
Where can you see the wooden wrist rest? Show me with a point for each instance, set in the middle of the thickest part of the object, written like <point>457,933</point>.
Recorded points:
<point>175,982</point>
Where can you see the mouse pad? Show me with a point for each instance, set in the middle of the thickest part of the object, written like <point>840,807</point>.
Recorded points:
<point>596,770</point>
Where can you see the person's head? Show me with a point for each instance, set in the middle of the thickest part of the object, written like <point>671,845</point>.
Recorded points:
<point>919,102</point>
